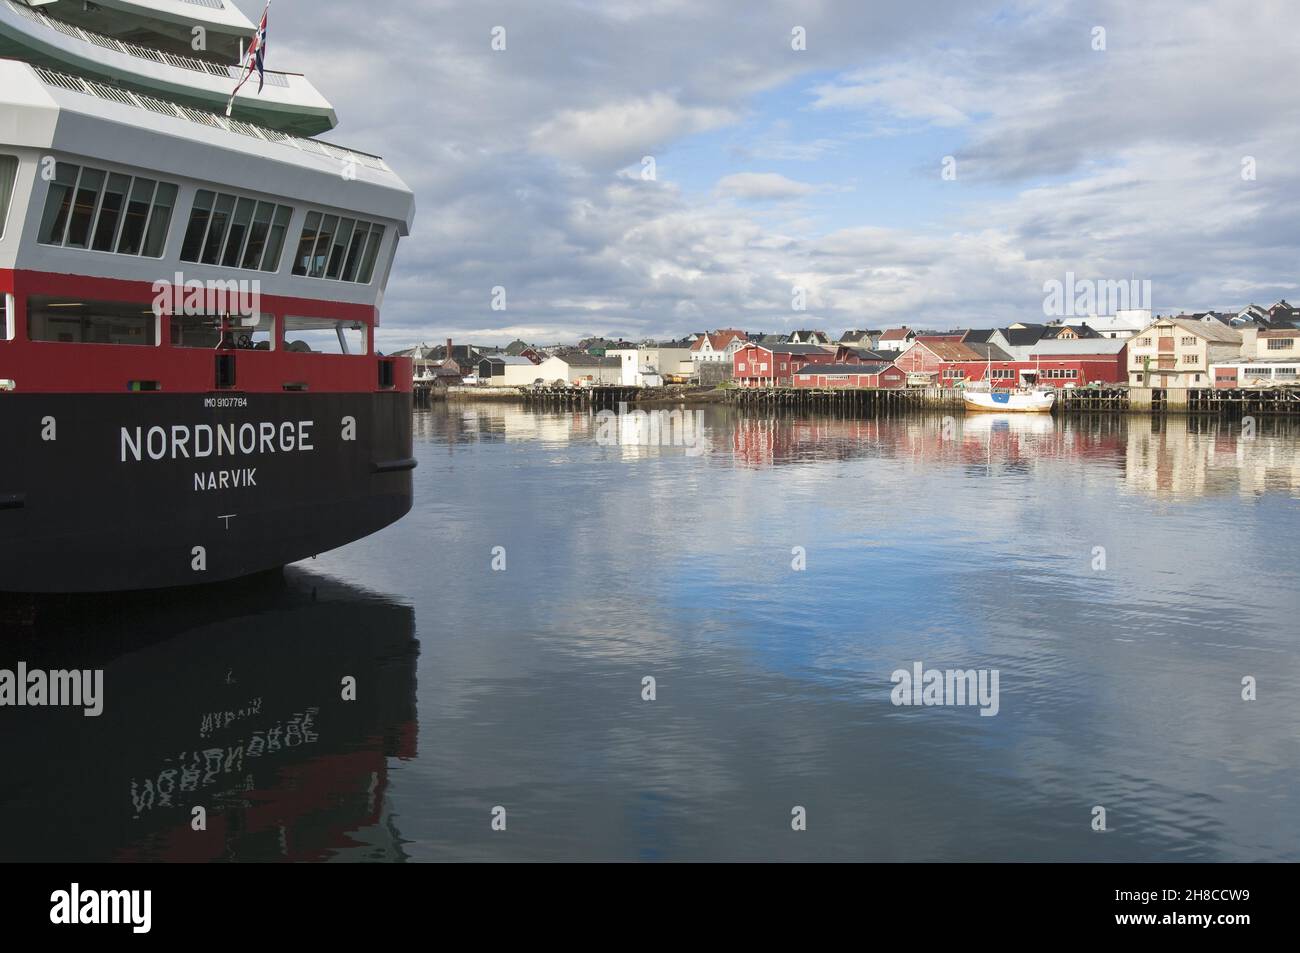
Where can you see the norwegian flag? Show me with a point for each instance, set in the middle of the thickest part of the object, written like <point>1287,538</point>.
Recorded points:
<point>255,60</point>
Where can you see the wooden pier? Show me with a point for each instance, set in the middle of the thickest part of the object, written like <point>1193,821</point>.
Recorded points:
<point>1073,400</point>
<point>1242,403</point>
<point>857,401</point>
<point>600,397</point>
<point>423,393</point>
<point>1093,400</point>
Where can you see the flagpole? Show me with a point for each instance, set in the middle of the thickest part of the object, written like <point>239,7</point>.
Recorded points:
<point>247,61</point>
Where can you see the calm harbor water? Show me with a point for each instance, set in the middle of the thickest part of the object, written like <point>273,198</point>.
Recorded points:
<point>972,543</point>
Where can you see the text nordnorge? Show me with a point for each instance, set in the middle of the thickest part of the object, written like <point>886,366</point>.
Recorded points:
<point>200,441</point>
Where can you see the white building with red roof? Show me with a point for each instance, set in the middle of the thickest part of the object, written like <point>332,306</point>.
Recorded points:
<point>896,339</point>
<point>718,346</point>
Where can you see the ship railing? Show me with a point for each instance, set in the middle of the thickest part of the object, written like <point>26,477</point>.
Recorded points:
<point>127,97</point>
<point>142,52</point>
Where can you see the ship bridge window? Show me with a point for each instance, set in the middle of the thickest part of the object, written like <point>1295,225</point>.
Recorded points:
<point>324,336</point>
<point>106,211</point>
<point>8,176</point>
<point>235,232</point>
<point>341,249</point>
<point>69,321</point>
<point>213,332</point>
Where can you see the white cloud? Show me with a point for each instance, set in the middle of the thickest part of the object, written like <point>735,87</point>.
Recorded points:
<point>614,134</point>
<point>761,186</point>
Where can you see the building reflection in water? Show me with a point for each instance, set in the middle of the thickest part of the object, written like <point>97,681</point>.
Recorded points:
<point>1194,456</point>
<point>228,698</point>
<point>1161,456</point>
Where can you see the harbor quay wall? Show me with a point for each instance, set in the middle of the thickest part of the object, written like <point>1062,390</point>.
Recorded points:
<point>1117,400</point>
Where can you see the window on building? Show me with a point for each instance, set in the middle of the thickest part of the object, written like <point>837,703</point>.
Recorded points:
<point>324,336</point>
<point>209,331</point>
<point>1274,344</point>
<point>1284,372</point>
<point>1144,342</point>
<point>70,321</point>
<point>1191,359</point>
<point>1188,341</point>
<point>8,178</point>
<point>106,211</point>
<point>341,249</point>
<point>235,232</point>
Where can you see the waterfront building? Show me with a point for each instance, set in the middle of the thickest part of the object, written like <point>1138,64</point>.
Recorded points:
<point>1122,324</point>
<point>1178,352</point>
<point>717,347</point>
<point>506,370</point>
<point>877,374</point>
<point>580,368</point>
<point>1256,372</point>
<point>758,365</point>
<point>649,364</point>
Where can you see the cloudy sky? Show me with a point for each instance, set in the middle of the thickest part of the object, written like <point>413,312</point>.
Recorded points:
<point>641,169</point>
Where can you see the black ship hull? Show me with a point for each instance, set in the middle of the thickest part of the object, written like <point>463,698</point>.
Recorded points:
<point>118,492</point>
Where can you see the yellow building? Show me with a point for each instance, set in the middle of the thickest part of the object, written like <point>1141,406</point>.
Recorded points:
<point>1178,352</point>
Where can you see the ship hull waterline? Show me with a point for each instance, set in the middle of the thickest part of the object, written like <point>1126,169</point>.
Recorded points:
<point>133,491</point>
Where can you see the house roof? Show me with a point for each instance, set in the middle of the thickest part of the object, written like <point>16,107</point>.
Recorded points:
<point>1216,333</point>
<point>815,369</point>
<point>1083,346</point>
<point>1269,361</point>
<point>897,334</point>
<point>867,353</point>
<point>948,350</point>
<point>1023,337</point>
<point>853,337</point>
<point>505,359</point>
<point>795,349</point>
<point>582,359</point>
<point>1054,331</point>
<point>1107,322</point>
<point>977,336</point>
<point>718,340</point>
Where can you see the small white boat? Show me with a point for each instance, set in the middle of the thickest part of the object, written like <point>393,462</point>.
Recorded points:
<point>1029,398</point>
<point>1027,401</point>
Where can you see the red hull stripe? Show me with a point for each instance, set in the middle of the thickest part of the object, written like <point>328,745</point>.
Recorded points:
<point>43,367</point>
